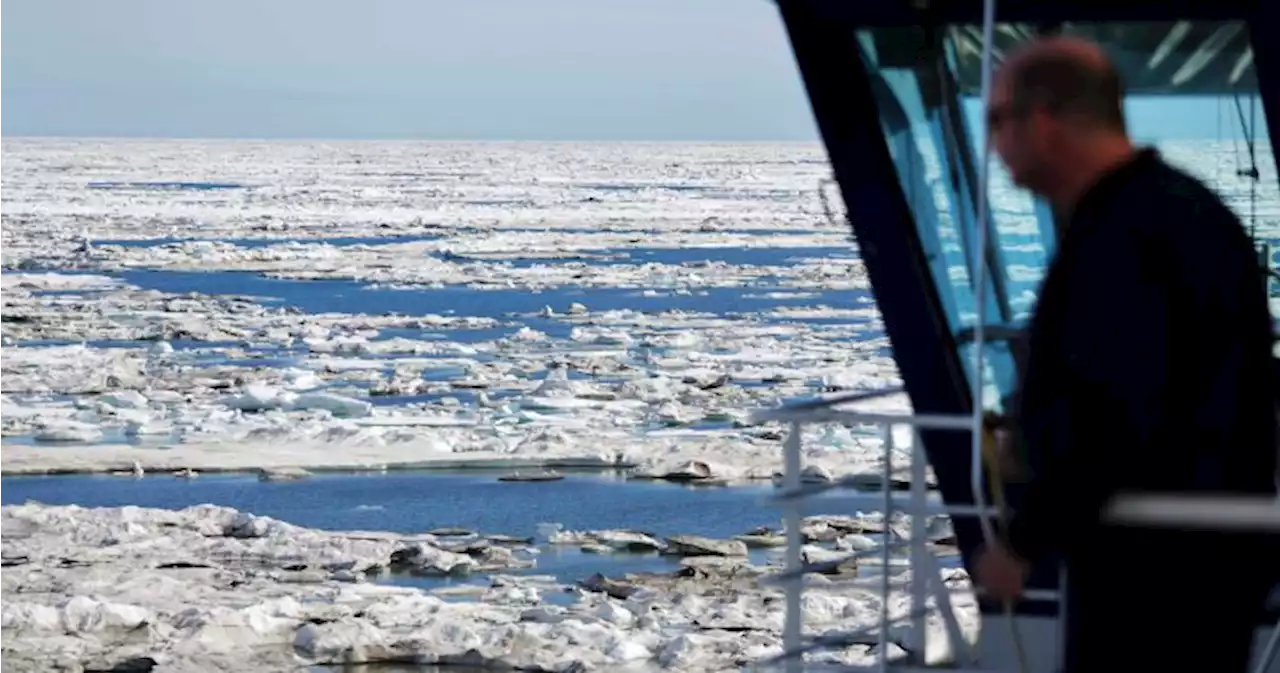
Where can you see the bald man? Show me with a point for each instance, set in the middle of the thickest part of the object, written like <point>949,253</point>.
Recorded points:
<point>1149,370</point>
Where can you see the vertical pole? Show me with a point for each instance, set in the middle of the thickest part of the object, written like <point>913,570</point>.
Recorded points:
<point>920,570</point>
<point>942,597</point>
<point>1264,259</point>
<point>793,626</point>
<point>979,329</point>
<point>1062,615</point>
<point>886,543</point>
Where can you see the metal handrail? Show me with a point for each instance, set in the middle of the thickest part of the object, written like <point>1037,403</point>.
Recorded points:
<point>845,398</point>
<point>1231,513</point>
<point>1258,514</point>
<point>856,483</point>
<point>830,415</point>
<point>795,645</point>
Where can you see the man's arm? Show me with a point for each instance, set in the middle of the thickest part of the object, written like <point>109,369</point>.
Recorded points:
<point>1099,424</point>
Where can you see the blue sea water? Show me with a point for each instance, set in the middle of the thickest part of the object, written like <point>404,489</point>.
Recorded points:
<point>737,256</point>
<point>345,296</point>
<point>516,308</point>
<point>416,502</point>
<point>255,243</point>
<point>512,309</point>
<point>167,186</point>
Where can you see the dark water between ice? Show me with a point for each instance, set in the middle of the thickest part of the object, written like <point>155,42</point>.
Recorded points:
<point>415,502</point>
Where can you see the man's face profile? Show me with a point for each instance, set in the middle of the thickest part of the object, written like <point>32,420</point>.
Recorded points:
<point>1010,127</point>
<point>1023,136</point>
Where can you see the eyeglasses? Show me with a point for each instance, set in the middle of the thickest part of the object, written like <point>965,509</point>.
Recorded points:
<point>1000,114</point>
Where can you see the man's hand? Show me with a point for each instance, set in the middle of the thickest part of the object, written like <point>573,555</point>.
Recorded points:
<point>1000,448</point>
<point>1001,573</point>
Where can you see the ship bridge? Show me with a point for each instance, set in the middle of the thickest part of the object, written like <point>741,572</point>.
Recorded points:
<point>895,87</point>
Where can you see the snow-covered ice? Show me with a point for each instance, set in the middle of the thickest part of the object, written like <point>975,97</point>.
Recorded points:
<point>163,329</point>
<point>173,307</point>
<point>212,589</point>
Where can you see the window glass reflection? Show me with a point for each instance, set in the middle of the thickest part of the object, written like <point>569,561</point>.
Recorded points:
<point>929,146</point>
<point>1192,94</point>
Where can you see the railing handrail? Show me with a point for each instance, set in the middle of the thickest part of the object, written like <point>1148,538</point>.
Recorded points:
<point>832,400</point>
<point>1215,512</point>
<point>922,560</point>
<point>1228,513</point>
<point>826,414</point>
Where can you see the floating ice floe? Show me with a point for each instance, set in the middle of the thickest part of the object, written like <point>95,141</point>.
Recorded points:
<point>114,365</point>
<point>213,589</point>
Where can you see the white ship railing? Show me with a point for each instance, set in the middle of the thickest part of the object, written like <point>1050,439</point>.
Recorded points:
<point>926,571</point>
<point>1240,514</point>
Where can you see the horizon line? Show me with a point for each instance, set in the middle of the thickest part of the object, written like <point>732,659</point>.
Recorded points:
<point>425,139</point>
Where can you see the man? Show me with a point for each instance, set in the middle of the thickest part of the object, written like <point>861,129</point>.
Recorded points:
<point>1149,370</point>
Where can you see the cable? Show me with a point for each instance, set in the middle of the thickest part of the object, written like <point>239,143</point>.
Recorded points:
<point>979,333</point>
<point>980,278</point>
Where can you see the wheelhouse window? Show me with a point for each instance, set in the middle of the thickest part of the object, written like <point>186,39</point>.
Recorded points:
<point>1193,94</point>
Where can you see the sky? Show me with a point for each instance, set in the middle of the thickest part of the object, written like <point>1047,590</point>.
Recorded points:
<point>506,69</point>
<point>441,69</point>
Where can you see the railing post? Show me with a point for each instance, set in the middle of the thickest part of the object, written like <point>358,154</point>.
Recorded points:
<point>793,626</point>
<point>1061,634</point>
<point>926,572</point>
<point>885,547</point>
<point>920,566</point>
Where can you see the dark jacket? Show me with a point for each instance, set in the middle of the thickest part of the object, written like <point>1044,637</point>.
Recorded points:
<point>1150,364</point>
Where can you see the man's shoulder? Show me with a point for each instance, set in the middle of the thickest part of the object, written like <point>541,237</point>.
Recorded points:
<point>1186,225</point>
<point>1183,196</point>
<point>1174,203</point>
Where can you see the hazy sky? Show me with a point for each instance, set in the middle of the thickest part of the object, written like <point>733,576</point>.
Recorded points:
<point>402,68</point>
<point>503,69</point>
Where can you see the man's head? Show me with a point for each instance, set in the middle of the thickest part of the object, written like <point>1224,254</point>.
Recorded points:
<point>1057,107</point>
